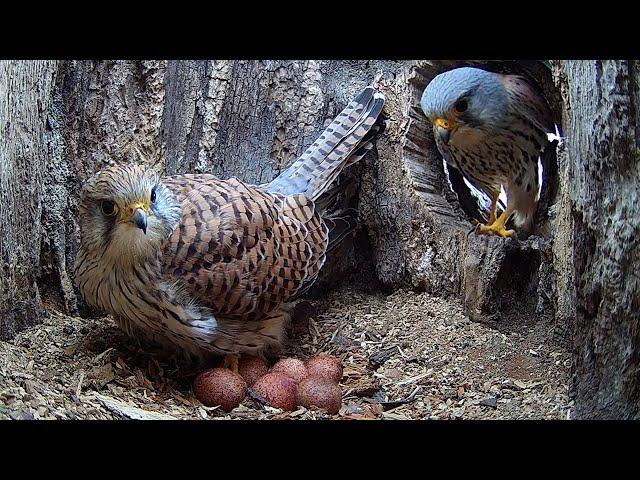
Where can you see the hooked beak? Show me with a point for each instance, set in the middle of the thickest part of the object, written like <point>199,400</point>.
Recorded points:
<point>444,134</point>
<point>140,220</point>
<point>443,129</point>
<point>137,214</point>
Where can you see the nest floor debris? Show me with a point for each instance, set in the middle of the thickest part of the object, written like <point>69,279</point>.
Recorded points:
<point>406,355</point>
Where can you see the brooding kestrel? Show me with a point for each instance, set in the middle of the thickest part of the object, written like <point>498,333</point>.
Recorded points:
<point>492,128</point>
<point>208,265</point>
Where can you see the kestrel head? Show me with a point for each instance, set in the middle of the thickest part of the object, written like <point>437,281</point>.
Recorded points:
<point>126,213</point>
<point>465,103</point>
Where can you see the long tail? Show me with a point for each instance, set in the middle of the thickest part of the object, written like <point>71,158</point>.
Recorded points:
<point>344,142</point>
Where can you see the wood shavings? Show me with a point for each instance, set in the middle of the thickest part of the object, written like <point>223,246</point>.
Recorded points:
<point>405,355</point>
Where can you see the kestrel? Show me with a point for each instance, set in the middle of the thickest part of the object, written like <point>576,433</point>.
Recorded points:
<point>492,128</point>
<point>209,265</point>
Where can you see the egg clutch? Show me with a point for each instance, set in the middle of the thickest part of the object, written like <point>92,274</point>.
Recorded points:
<point>288,383</point>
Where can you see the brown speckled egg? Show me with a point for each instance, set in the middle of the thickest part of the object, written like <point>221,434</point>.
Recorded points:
<point>278,389</point>
<point>326,366</point>
<point>220,386</point>
<point>252,368</point>
<point>292,367</point>
<point>319,392</point>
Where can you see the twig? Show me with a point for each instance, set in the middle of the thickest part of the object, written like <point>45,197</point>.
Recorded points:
<point>412,379</point>
<point>99,357</point>
<point>79,387</point>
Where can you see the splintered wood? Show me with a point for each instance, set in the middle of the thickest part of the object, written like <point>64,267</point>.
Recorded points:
<point>407,355</point>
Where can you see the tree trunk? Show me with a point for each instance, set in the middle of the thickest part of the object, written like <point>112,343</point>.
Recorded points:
<point>26,92</point>
<point>601,169</point>
<point>250,119</point>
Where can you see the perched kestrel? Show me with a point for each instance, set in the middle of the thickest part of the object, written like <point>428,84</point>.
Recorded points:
<point>492,128</point>
<point>208,265</point>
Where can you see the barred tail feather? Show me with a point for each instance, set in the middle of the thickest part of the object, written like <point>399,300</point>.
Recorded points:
<point>344,142</point>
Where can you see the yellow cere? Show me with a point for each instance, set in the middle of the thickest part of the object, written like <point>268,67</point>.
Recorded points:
<point>441,122</point>
<point>131,209</point>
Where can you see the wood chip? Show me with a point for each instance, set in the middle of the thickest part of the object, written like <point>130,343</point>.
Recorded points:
<point>79,387</point>
<point>130,411</point>
<point>525,385</point>
<point>102,355</point>
<point>380,357</point>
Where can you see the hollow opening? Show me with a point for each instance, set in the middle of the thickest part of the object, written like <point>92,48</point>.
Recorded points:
<point>468,202</point>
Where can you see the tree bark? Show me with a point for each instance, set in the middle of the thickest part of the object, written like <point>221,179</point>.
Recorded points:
<point>26,92</point>
<point>601,168</point>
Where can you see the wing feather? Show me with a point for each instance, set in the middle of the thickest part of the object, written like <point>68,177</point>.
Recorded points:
<point>239,250</point>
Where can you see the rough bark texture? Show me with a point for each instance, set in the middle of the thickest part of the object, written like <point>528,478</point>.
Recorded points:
<point>26,96</point>
<point>252,118</point>
<point>601,169</point>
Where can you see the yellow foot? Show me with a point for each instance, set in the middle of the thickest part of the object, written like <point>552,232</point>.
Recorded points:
<point>495,229</point>
<point>231,362</point>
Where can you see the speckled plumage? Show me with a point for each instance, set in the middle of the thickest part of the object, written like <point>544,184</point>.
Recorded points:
<point>497,138</point>
<point>220,258</point>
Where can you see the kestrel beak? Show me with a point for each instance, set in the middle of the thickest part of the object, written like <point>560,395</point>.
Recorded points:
<point>443,128</point>
<point>137,214</point>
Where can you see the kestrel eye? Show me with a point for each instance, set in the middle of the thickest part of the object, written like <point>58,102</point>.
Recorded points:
<point>108,208</point>
<point>461,106</point>
<point>153,195</point>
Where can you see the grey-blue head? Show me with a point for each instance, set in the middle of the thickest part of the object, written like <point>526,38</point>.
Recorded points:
<point>468,97</point>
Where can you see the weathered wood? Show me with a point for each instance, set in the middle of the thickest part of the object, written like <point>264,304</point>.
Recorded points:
<point>26,96</point>
<point>601,170</point>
